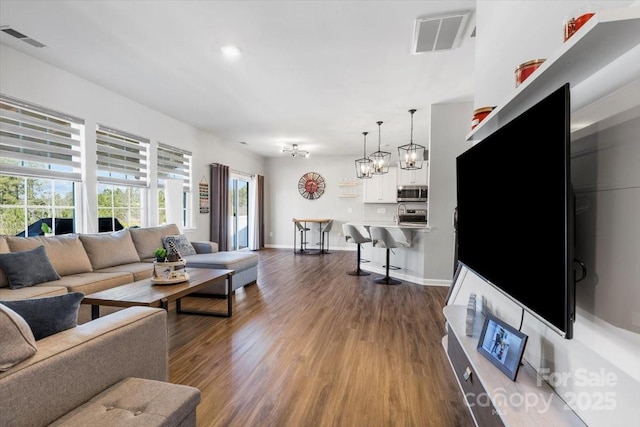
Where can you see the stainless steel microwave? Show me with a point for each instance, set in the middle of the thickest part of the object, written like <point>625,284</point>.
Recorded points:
<point>412,193</point>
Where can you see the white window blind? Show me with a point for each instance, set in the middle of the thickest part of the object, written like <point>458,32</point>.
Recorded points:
<point>38,142</point>
<point>122,157</point>
<point>174,163</point>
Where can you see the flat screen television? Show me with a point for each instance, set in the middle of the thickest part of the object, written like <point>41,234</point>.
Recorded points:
<point>516,211</point>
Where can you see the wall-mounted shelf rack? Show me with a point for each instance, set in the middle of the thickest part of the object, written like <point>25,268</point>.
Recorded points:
<point>598,60</point>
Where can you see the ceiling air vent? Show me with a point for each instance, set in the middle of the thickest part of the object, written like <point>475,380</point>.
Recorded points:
<point>21,37</point>
<point>439,33</point>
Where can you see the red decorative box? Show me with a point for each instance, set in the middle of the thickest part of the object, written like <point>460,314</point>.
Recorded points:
<point>479,114</point>
<point>574,24</point>
<point>524,70</point>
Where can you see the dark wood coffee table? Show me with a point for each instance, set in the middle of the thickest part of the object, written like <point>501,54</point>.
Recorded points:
<point>144,293</point>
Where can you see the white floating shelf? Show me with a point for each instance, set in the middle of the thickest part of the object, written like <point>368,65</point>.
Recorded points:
<point>606,37</point>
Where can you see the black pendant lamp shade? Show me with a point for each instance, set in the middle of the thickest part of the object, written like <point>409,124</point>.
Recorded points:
<point>380,158</point>
<point>411,155</point>
<point>364,166</point>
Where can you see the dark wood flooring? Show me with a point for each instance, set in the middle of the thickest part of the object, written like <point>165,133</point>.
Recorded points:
<point>310,345</point>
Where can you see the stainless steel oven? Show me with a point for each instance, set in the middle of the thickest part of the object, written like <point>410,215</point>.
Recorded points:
<point>412,193</point>
<point>413,216</point>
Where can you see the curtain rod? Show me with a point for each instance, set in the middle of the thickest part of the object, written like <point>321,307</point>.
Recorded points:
<point>237,172</point>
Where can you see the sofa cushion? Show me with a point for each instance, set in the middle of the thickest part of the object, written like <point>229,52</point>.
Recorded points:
<point>148,239</point>
<point>232,260</point>
<point>182,245</point>
<point>66,252</point>
<point>49,315</point>
<point>109,249</point>
<point>45,289</point>
<point>204,247</point>
<point>136,402</point>
<point>139,270</point>
<point>27,268</point>
<point>88,283</point>
<point>18,342</point>
<point>4,248</point>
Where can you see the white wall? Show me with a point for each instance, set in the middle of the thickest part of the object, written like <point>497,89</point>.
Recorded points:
<point>35,81</point>
<point>284,201</point>
<point>449,125</point>
<point>606,343</point>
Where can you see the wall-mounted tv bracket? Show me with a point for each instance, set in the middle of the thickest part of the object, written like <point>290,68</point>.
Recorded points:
<point>582,268</point>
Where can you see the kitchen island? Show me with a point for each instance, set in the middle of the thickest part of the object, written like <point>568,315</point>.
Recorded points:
<point>409,259</point>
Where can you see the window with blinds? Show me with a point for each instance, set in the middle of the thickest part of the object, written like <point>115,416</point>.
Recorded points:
<point>122,158</point>
<point>38,142</point>
<point>174,163</point>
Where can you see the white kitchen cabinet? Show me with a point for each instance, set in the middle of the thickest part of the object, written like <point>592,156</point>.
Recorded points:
<point>382,188</point>
<point>415,176</point>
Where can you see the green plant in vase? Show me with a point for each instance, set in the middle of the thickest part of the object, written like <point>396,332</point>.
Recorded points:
<point>46,229</point>
<point>160,254</point>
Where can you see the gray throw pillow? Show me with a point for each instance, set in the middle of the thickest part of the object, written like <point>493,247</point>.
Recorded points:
<point>16,339</point>
<point>49,315</point>
<point>183,244</point>
<point>27,268</point>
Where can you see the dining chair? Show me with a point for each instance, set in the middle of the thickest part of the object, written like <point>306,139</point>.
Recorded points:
<point>325,237</point>
<point>303,235</point>
<point>353,235</point>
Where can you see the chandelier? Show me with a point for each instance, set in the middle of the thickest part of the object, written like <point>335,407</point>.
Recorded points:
<point>380,158</point>
<point>364,166</point>
<point>294,151</point>
<point>412,155</point>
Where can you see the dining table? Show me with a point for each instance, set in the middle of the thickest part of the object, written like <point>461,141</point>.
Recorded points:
<point>304,222</point>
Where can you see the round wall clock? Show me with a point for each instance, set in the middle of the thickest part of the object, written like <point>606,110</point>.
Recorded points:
<point>311,185</point>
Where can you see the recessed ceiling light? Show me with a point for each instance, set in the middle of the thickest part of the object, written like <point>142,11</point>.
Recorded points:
<point>230,51</point>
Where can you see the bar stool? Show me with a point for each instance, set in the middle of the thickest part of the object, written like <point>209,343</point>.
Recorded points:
<point>353,235</point>
<point>381,237</point>
<point>303,233</point>
<point>325,232</point>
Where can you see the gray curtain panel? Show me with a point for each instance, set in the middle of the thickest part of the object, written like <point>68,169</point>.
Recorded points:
<point>219,205</point>
<point>260,211</point>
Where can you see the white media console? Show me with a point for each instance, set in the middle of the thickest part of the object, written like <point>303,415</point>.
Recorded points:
<point>493,399</point>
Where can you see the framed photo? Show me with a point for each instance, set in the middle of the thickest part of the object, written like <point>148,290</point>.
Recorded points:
<point>502,344</point>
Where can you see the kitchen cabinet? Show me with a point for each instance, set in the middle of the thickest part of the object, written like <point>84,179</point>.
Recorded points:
<point>382,188</point>
<point>415,176</point>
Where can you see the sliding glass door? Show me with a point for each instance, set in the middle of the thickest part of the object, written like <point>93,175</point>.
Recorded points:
<point>239,213</point>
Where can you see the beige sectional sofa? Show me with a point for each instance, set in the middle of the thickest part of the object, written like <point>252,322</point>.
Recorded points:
<point>90,263</point>
<point>111,371</point>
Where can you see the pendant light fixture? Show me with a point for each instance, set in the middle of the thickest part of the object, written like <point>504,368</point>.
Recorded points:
<point>412,155</point>
<point>380,158</point>
<point>364,166</point>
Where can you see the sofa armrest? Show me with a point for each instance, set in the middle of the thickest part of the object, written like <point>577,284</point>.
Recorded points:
<point>83,361</point>
<point>205,247</point>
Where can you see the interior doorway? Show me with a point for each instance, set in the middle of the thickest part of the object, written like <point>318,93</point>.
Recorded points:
<point>239,213</point>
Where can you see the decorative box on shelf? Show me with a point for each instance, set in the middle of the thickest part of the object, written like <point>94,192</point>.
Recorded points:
<point>167,273</point>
